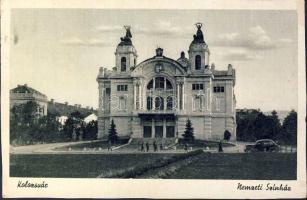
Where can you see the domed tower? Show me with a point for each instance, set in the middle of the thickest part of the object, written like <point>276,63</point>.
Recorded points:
<point>198,51</point>
<point>125,54</point>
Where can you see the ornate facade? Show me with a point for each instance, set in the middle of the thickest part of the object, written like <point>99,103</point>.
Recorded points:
<point>154,98</point>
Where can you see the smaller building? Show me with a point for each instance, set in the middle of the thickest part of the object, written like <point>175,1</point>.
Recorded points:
<point>91,117</point>
<point>23,94</point>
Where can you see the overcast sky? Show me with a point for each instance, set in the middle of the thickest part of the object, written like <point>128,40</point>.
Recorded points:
<point>59,52</point>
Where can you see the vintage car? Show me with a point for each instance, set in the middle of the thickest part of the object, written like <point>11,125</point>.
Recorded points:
<point>263,145</point>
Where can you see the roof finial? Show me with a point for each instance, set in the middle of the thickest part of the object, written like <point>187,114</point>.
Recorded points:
<point>127,39</point>
<point>198,25</point>
<point>128,33</point>
<point>198,37</point>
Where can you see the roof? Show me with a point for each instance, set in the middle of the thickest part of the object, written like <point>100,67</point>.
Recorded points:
<point>26,89</point>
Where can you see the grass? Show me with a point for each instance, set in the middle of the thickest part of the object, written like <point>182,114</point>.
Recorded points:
<point>253,166</point>
<point>75,165</point>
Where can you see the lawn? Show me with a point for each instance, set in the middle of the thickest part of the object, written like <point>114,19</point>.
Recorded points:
<point>74,165</point>
<point>250,166</point>
<point>253,166</point>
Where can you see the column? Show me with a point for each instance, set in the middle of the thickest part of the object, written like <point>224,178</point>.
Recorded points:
<point>102,98</point>
<point>182,96</point>
<point>164,128</point>
<point>152,128</point>
<point>134,96</point>
<point>178,97</point>
<point>139,96</point>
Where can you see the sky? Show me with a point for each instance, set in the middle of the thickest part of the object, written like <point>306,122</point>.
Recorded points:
<point>59,51</point>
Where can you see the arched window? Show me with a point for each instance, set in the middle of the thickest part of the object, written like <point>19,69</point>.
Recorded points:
<point>169,103</point>
<point>168,85</point>
<point>197,62</point>
<point>150,85</point>
<point>159,83</point>
<point>159,103</point>
<point>123,64</point>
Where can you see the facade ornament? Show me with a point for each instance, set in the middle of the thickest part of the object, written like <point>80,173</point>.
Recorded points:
<point>158,68</point>
<point>127,39</point>
<point>198,37</point>
<point>159,52</point>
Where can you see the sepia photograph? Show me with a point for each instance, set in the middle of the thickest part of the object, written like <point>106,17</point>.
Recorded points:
<point>145,94</point>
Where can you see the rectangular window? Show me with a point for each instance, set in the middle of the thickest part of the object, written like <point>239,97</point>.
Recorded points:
<point>122,87</point>
<point>108,91</point>
<point>218,89</point>
<point>147,132</point>
<point>170,131</point>
<point>197,86</point>
<point>158,131</point>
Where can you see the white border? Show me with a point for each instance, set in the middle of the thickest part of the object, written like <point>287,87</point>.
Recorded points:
<point>111,188</point>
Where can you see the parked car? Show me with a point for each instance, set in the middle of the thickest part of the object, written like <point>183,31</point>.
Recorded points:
<point>262,146</point>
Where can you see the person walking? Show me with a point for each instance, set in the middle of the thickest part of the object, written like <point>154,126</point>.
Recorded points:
<point>186,147</point>
<point>142,146</point>
<point>155,146</point>
<point>220,146</point>
<point>147,147</point>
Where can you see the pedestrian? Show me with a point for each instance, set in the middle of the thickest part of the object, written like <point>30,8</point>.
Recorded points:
<point>147,147</point>
<point>220,146</point>
<point>161,146</point>
<point>155,146</point>
<point>142,146</point>
<point>186,147</point>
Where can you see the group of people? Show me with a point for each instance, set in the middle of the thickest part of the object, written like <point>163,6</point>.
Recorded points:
<point>147,145</point>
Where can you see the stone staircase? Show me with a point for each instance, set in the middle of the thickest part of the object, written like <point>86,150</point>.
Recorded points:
<point>166,141</point>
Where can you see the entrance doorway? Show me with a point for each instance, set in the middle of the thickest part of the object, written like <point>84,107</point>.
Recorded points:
<point>158,131</point>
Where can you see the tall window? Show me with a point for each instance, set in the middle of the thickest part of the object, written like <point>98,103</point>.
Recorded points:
<point>197,62</point>
<point>169,103</point>
<point>123,64</point>
<point>159,103</point>
<point>149,103</point>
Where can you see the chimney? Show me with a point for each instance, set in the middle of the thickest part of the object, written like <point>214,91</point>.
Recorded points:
<point>229,72</point>
<point>212,66</point>
<point>182,55</point>
<point>66,103</point>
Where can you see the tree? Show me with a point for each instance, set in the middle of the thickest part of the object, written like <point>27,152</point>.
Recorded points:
<point>23,122</point>
<point>74,123</point>
<point>113,135</point>
<point>91,130</point>
<point>188,135</point>
<point>289,129</point>
<point>227,135</point>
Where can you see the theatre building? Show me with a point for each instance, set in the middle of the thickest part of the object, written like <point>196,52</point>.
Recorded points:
<point>155,97</point>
